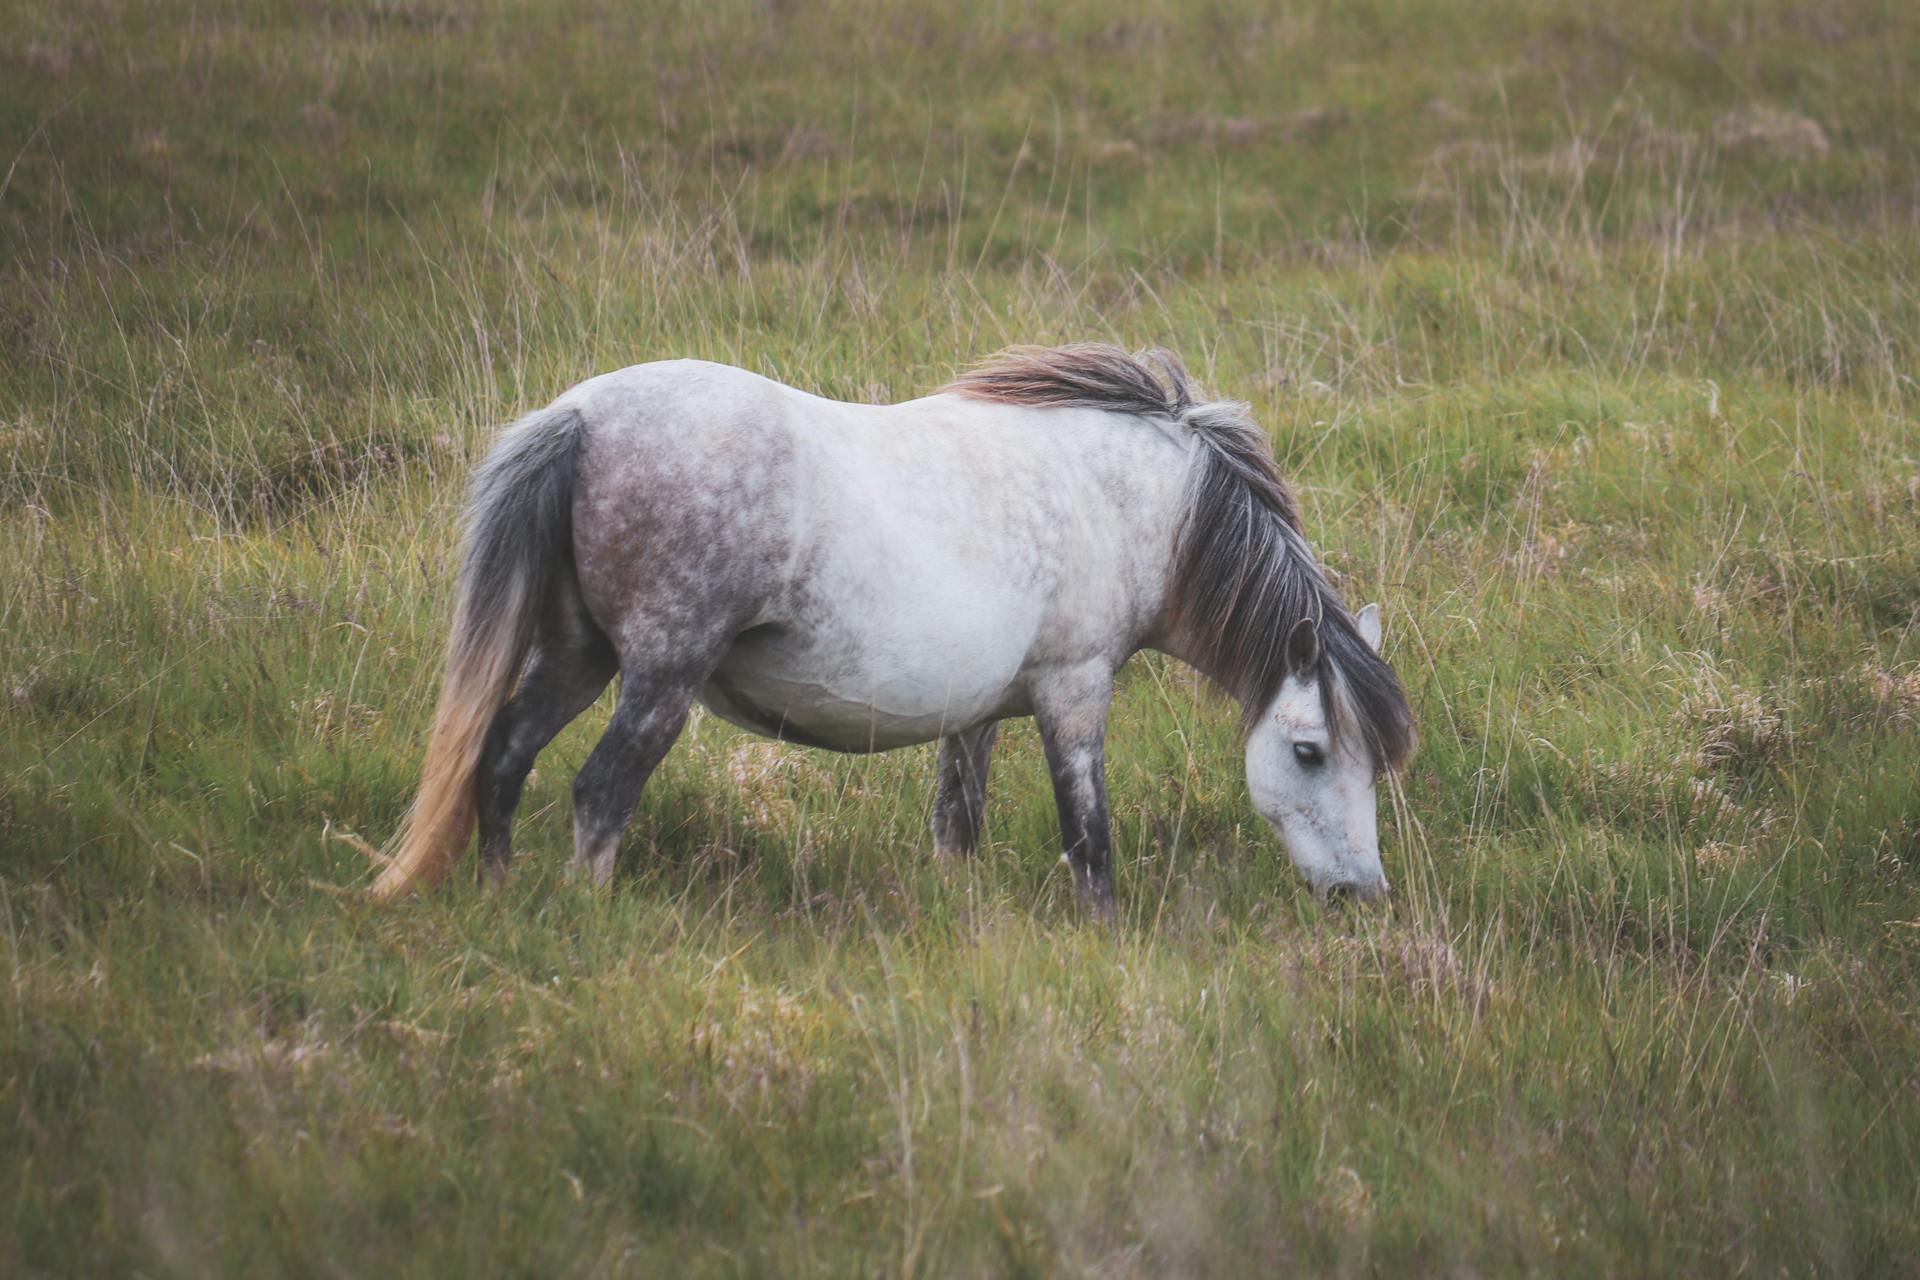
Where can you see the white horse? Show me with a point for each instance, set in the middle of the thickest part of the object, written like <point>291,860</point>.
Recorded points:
<point>862,577</point>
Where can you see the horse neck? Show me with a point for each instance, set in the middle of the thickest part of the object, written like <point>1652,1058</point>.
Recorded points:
<point>1169,641</point>
<point>1166,637</point>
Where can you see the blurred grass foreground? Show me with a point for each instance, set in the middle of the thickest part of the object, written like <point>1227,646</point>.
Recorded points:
<point>1588,332</point>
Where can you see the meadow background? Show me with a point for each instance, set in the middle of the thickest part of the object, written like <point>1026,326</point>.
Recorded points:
<point>1589,333</point>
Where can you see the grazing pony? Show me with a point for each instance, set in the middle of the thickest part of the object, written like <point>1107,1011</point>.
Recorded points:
<point>862,577</point>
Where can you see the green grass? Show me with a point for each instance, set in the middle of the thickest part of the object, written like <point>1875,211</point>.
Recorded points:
<point>1590,335</point>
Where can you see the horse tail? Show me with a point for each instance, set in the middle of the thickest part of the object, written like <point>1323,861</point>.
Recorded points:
<point>519,539</point>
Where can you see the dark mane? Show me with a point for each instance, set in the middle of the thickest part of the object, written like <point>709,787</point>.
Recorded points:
<point>1242,574</point>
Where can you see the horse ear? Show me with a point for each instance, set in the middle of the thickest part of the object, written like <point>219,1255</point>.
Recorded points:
<point>1303,648</point>
<point>1369,621</point>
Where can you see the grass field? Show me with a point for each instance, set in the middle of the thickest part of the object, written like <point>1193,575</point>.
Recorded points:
<point>1589,334</point>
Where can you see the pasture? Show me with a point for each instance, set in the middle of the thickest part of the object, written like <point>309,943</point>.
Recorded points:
<point>1588,335</point>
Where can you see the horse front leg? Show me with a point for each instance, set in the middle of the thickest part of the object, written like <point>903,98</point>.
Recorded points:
<point>960,799</point>
<point>1071,712</point>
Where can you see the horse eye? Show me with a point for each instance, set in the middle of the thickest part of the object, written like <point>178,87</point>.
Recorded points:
<point>1309,755</point>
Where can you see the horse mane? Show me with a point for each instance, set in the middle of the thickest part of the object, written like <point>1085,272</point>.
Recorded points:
<point>1241,574</point>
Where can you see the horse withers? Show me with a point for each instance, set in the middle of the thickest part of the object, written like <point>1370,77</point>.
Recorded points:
<point>863,577</point>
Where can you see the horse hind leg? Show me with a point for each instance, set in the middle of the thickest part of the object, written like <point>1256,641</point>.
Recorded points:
<point>653,709</point>
<point>960,798</point>
<point>563,677</point>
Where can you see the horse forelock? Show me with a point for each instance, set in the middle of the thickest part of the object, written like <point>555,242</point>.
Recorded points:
<point>1242,574</point>
<point>1363,694</point>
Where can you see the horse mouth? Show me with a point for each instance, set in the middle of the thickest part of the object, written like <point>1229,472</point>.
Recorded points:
<point>1356,891</point>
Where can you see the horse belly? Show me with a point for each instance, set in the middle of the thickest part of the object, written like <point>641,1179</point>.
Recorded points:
<point>848,695</point>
